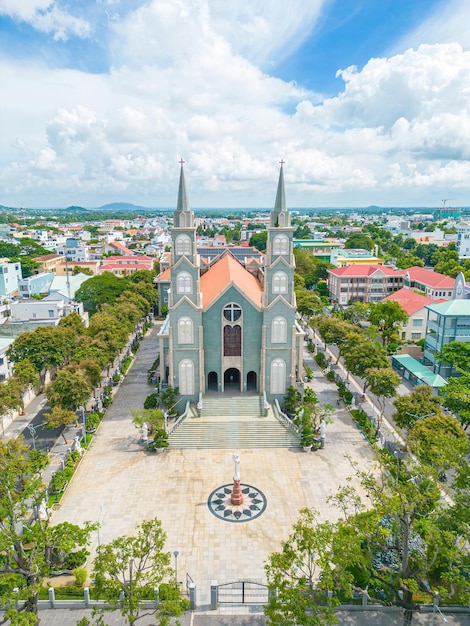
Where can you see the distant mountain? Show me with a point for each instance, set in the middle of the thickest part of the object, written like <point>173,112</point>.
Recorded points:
<point>121,206</point>
<point>75,208</point>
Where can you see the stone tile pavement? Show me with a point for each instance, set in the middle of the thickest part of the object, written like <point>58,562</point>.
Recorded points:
<point>120,485</point>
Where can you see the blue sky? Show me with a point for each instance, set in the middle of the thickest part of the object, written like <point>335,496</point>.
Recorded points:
<point>366,101</point>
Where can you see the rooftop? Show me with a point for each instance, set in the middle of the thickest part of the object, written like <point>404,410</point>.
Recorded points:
<point>457,308</point>
<point>225,272</point>
<point>420,371</point>
<point>409,300</point>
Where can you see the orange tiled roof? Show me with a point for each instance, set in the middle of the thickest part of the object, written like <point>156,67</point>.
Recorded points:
<point>365,270</point>
<point>430,278</point>
<point>409,300</point>
<point>165,275</point>
<point>224,272</point>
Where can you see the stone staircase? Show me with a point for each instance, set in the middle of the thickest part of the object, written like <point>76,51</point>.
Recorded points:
<point>232,422</point>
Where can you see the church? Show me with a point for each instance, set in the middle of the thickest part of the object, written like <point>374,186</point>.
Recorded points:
<point>231,327</point>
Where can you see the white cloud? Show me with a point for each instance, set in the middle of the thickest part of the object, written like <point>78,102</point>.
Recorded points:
<point>181,87</point>
<point>46,16</point>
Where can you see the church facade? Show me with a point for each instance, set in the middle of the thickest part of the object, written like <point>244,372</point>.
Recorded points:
<point>230,327</point>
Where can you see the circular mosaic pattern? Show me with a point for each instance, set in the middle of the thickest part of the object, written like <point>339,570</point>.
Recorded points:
<point>253,505</point>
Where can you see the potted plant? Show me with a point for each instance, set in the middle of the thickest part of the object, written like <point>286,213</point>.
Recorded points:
<point>306,439</point>
<point>92,421</point>
<point>160,441</point>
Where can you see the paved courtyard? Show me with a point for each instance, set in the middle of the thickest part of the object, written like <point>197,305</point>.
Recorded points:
<point>120,485</point>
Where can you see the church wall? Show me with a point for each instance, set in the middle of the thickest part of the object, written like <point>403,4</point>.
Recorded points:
<point>213,337</point>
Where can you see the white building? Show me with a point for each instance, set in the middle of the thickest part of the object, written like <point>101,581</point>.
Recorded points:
<point>463,240</point>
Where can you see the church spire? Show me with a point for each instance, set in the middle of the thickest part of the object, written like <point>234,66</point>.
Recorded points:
<point>183,203</point>
<point>183,216</point>
<point>280,215</point>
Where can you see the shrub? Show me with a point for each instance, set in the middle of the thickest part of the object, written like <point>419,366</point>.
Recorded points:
<point>93,421</point>
<point>75,560</point>
<point>348,397</point>
<point>308,371</point>
<point>291,400</point>
<point>320,360</point>
<point>151,401</point>
<point>160,440</point>
<point>81,575</point>
<point>58,481</point>
<point>330,376</point>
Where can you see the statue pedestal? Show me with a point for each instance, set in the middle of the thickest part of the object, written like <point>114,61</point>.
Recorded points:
<point>237,497</point>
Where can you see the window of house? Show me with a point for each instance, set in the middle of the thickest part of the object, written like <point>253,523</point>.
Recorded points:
<point>415,336</point>
<point>418,322</point>
<point>279,330</point>
<point>51,313</point>
<point>278,376</point>
<point>280,244</point>
<point>183,283</point>
<point>186,377</point>
<point>185,330</point>
<point>182,245</point>
<point>280,282</point>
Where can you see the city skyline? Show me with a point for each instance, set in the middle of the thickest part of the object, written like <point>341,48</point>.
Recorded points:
<point>366,104</point>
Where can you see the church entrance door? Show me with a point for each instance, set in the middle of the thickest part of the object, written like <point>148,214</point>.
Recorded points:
<point>232,379</point>
<point>212,381</point>
<point>251,381</point>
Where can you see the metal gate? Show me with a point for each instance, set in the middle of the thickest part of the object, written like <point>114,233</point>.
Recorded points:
<point>243,592</point>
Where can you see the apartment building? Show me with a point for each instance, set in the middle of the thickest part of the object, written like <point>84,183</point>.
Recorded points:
<point>364,283</point>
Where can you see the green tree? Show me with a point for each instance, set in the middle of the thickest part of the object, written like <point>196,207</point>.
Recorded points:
<point>335,331</point>
<point>127,570</point>
<point>26,374</point>
<point>259,240</point>
<point>98,290</point>
<point>299,588</point>
<point>456,354</point>
<point>456,397</point>
<point>363,356</point>
<point>360,241</point>
<point>402,544</point>
<point>58,417</point>
<point>438,440</point>
<point>420,403</point>
<point>23,568</point>
<point>44,347</point>
<point>383,383</point>
<point>70,389</point>
<point>387,316</point>
<point>356,312</point>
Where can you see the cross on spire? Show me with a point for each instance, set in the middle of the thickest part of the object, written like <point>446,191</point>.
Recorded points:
<point>281,162</point>
<point>181,162</point>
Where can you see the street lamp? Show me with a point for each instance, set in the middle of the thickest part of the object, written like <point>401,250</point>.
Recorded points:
<point>175,554</point>
<point>32,432</point>
<point>420,417</point>
<point>436,609</point>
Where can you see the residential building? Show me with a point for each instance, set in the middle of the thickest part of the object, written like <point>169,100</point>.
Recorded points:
<point>10,275</point>
<point>50,262</point>
<point>35,285</point>
<point>447,322</point>
<point>369,283</point>
<point>227,330</point>
<point>73,250</point>
<point>414,304</point>
<point>430,283</point>
<point>43,312</point>
<point>463,240</point>
<point>123,265</point>
<point>6,369</point>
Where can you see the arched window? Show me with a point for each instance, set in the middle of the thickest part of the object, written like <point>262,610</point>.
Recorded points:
<point>184,283</point>
<point>278,376</point>
<point>280,244</point>
<point>186,377</point>
<point>185,330</point>
<point>280,282</point>
<point>232,340</point>
<point>182,245</point>
<point>279,330</point>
